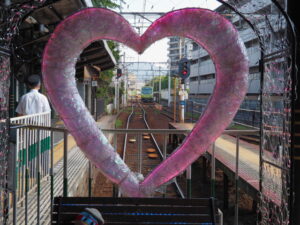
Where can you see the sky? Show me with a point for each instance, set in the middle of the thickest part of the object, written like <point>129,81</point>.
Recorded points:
<point>157,52</point>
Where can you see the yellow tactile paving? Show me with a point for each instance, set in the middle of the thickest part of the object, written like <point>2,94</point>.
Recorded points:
<point>60,122</point>
<point>58,151</point>
<point>104,122</point>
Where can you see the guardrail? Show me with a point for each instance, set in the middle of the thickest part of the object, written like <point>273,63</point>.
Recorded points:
<point>245,117</point>
<point>24,144</point>
<point>31,162</point>
<point>29,155</point>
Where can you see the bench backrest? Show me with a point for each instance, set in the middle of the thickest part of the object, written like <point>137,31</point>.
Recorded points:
<point>137,210</point>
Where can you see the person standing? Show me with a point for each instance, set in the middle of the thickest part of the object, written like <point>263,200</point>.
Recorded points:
<point>33,102</point>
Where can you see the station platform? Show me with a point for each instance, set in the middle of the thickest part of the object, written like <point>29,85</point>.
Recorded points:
<point>249,163</point>
<point>225,154</point>
<point>105,122</point>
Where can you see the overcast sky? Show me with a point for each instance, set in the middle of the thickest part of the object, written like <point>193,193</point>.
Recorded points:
<point>158,51</point>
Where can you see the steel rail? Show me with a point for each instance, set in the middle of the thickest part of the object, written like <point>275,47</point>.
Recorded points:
<point>160,152</point>
<point>126,134</point>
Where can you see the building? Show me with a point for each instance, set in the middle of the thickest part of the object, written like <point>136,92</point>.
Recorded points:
<point>177,50</point>
<point>202,77</point>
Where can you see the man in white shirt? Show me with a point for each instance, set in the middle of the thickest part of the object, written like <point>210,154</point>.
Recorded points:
<point>33,102</point>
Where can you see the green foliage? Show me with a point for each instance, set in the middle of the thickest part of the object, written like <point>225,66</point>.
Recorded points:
<point>164,83</point>
<point>114,49</point>
<point>104,90</point>
<point>127,110</point>
<point>121,88</point>
<point>118,123</point>
<point>112,4</point>
<point>194,115</point>
<point>238,127</point>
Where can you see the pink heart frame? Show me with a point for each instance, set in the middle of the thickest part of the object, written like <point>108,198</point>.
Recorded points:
<point>209,29</point>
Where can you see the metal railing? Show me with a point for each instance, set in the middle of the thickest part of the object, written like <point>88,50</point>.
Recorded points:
<point>245,117</point>
<point>24,144</point>
<point>38,130</point>
<point>238,135</point>
<point>32,163</point>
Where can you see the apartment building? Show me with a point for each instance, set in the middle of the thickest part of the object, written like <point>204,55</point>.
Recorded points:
<point>202,77</point>
<point>178,49</point>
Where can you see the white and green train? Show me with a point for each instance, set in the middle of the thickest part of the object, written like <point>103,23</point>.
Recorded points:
<point>147,94</point>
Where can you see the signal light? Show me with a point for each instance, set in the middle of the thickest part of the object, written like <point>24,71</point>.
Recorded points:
<point>184,68</point>
<point>119,73</point>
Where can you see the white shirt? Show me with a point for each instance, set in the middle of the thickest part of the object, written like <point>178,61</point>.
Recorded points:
<point>33,102</point>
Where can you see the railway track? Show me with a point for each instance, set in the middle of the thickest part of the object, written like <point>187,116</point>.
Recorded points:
<point>142,152</point>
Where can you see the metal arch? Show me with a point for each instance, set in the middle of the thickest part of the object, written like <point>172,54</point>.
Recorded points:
<point>261,67</point>
<point>256,31</point>
<point>293,49</point>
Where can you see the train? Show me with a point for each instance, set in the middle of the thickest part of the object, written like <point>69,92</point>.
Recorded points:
<point>147,94</point>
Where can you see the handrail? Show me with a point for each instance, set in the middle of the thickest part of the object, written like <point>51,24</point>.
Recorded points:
<point>27,116</point>
<point>153,131</point>
<point>114,131</point>
<point>240,109</point>
<point>30,158</point>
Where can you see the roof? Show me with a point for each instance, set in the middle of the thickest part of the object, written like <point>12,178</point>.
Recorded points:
<point>38,26</point>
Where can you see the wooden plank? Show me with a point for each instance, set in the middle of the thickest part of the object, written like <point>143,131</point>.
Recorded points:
<point>141,223</point>
<point>138,210</point>
<point>142,209</point>
<point>137,201</point>
<point>55,209</point>
<point>145,218</point>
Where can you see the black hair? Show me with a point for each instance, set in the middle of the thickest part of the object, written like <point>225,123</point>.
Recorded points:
<point>33,80</point>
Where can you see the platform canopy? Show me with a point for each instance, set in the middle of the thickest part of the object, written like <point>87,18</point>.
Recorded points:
<point>37,28</point>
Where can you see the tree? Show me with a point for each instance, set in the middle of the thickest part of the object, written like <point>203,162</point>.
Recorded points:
<point>104,90</point>
<point>112,4</point>
<point>164,82</point>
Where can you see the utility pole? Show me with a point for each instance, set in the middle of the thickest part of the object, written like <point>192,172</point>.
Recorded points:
<point>159,88</point>
<point>116,93</point>
<point>169,86</point>
<point>181,87</point>
<point>184,72</point>
<point>125,87</point>
<point>174,98</point>
<point>152,77</point>
<point>181,100</point>
<point>125,81</point>
<point>118,96</point>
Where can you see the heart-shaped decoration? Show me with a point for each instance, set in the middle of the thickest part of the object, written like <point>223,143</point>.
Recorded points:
<point>209,29</point>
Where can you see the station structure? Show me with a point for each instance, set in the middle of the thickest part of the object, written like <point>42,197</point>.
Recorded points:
<point>44,173</point>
